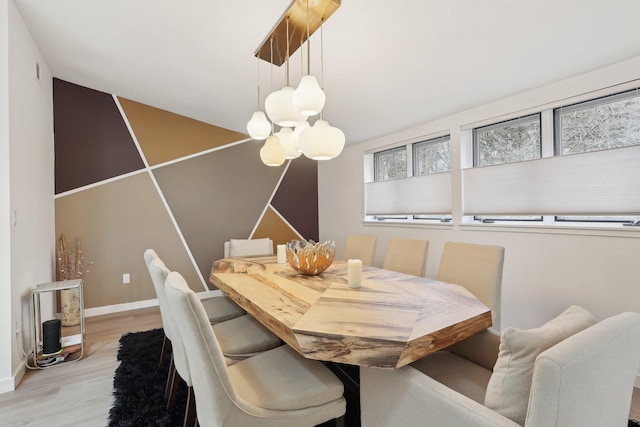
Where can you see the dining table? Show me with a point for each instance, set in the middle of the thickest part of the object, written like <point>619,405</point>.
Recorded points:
<point>391,320</point>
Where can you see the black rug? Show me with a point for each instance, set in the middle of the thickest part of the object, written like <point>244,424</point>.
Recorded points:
<point>138,384</point>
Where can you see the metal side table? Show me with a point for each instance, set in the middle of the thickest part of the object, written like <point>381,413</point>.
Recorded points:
<point>72,344</point>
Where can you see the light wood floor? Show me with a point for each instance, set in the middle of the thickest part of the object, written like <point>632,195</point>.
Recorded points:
<point>79,393</point>
<point>76,393</point>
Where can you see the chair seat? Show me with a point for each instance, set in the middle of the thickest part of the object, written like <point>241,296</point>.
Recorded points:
<point>220,309</point>
<point>281,379</point>
<point>457,373</point>
<point>244,337</point>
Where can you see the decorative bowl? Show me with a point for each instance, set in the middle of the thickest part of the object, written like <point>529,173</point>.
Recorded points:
<point>310,258</point>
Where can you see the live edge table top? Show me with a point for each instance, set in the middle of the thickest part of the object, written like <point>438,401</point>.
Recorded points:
<point>393,319</point>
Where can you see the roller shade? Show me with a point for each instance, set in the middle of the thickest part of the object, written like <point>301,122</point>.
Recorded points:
<point>427,194</point>
<point>597,183</point>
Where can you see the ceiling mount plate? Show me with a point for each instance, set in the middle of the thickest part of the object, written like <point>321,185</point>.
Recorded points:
<point>319,12</point>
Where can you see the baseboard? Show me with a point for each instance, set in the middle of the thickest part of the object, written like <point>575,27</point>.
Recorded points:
<point>116,308</point>
<point>11,383</point>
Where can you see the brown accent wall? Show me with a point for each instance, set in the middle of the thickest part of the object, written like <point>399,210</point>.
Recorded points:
<point>165,136</point>
<point>201,201</point>
<point>92,142</point>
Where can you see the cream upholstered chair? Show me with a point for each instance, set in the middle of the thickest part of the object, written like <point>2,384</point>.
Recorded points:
<point>406,256</point>
<point>476,267</point>
<point>276,388</point>
<point>479,269</point>
<point>585,379</point>
<point>218,308</point>
<point>360,246</point>
<point>240,337</point>
<point>248,247</point>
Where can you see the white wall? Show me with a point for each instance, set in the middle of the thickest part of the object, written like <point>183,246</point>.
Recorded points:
<point>5,231</point>
<point>31,207</point>
<point>544,272</point>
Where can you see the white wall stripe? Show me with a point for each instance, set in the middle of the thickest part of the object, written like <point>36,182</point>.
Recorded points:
<point>99,183</point>
<point>200,153</point>
<point>161,194</point>
<point>284,172</point>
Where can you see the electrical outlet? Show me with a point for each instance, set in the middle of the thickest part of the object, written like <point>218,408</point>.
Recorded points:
<point>126,278</point>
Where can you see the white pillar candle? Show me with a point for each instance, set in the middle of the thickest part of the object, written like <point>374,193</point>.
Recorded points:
<point>282,254</point>
<point>354,273</point>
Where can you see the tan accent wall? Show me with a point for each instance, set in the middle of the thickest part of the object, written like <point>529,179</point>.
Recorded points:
<point>165,136</point>
<point>115,223</point>
<point>274,227</point>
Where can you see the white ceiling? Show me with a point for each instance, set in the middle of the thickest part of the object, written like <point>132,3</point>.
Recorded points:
<point>388,65</point>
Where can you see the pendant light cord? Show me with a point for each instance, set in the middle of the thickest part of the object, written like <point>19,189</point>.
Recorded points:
<point>308,43</point>
<point>287,54</point>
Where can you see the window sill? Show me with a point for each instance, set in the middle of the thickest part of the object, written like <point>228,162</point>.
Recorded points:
<point>617,230</point>
<point>409,224</point>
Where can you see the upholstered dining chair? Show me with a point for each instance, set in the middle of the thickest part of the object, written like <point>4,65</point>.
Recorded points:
<point>248,247</point>
<point>479,269</point>
<point>360,246</point>
<point>218,308</point>
<point>406,256</point>
<point>276,388</point>
<point>476,267</point>
<point>240,338</point>
<point>586,378</point>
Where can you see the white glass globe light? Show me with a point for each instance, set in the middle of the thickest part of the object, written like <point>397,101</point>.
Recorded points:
<point>272,153</point>
<point>279,107</point>
<point>295,136</point>
<point>291,148</point>
<point>322,141</point>
<point>259,127</point>
<point>309,97</point>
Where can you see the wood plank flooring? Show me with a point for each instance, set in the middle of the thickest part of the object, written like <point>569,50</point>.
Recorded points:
<point>79,393</point>
<point>76,393</point>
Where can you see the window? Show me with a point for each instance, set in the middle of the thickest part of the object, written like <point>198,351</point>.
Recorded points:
<point>507,142</point>
<point>432,156</point>
<point>410,183</point>
<point>608,122</point>
<point>390,164</point>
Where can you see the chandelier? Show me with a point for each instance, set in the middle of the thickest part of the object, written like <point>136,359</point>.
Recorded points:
<point>291,108</point>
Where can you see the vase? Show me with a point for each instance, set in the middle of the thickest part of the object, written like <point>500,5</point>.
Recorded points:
<point>70,307</point>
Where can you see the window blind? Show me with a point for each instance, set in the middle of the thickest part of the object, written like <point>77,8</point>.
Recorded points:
<point>596,183</point>
<point>427,194</point>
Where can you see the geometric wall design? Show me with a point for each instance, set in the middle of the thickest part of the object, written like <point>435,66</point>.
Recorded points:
<point>92,142</point>
<point>214,188</point>
<point>115,223</point>
<point>217,196</point>
<point>299,185</point>
<point>165,136</point>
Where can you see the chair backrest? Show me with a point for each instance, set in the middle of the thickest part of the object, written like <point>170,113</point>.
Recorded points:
<point>159,273</point>
<point>406,256</point>
<point>476,267</point>
<point>212,386</point>
<point>150,255</point>
<point>360,246</point>
<point>588,378</point>
<point>248,247</point>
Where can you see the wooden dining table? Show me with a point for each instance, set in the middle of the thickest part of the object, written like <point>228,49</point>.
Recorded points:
<point>391,320</point>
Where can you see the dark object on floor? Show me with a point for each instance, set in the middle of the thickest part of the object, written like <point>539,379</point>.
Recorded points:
<point>633,423</point>
<point>138,384</point>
